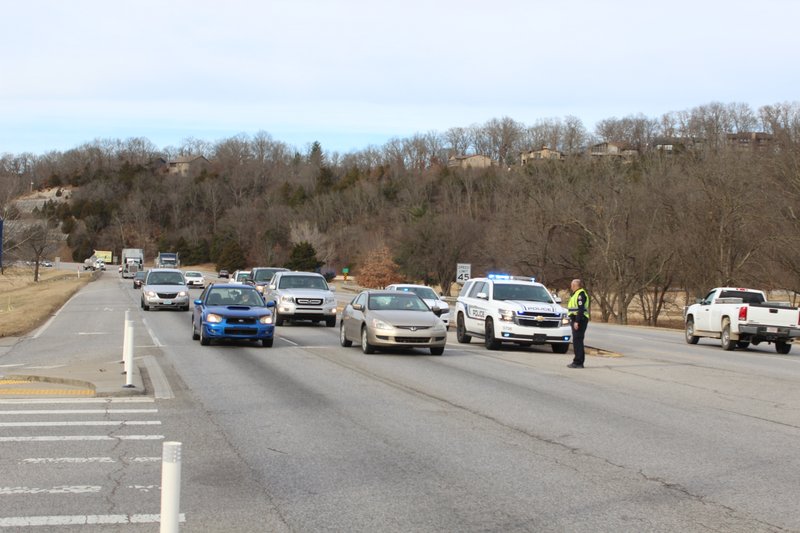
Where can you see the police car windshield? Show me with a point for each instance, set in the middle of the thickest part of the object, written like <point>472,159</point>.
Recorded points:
<point>527,293</point>
<point>422,292</point>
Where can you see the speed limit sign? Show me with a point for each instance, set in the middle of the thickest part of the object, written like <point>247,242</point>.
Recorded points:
<point>463,272</point>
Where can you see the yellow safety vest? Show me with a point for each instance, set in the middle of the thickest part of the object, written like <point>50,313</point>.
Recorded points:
<point>573,303</point>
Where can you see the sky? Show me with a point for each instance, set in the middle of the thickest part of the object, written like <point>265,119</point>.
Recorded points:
<point>356,73</point>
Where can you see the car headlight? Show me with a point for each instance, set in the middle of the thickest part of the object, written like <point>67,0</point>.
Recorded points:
<point>564,319</point>
<point>266,319</point>
<point>260,288</point>
<point>330,300</point>
<point>287,299</point>
<point>506,315</point>
<point>150,294</point>
<point>182,293</point>
<point>211,318</point>
<point>380,324</point>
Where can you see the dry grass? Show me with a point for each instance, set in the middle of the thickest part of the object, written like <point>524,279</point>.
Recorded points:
<point>25,305</point>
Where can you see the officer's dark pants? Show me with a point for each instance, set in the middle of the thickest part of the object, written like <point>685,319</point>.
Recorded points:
<point>577,341</point>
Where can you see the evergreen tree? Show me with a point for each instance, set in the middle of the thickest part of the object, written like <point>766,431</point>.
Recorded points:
<point>304,258</point>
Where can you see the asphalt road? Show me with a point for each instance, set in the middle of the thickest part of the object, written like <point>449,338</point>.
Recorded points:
<point>310,436</point>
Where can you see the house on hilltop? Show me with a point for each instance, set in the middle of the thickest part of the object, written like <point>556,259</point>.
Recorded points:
<point>469,161</point>
<point>188,166</point>
<point>545,154</point>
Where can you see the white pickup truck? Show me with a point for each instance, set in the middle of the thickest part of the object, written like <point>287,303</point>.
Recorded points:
<point>739,317</point>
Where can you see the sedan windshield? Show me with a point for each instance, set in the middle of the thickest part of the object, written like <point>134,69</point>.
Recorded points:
<point>397,302</point>
<point>525,293</point>
<point>165,278</point>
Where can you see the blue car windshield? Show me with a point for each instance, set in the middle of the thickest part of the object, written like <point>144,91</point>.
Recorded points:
<point>230,296</point>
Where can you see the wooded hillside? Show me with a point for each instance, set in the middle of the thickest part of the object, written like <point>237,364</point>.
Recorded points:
<point>708,211</point>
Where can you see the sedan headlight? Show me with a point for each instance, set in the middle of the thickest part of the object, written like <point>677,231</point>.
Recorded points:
<point>506,315</point>
<point>380,324</point>
<point>211,318</point>
<point>150,294</point>
<point>182,293</point>
<point>266,319</point>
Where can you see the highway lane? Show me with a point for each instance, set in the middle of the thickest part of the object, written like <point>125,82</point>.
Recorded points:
<point>310,436</point>
<point>668,437</point>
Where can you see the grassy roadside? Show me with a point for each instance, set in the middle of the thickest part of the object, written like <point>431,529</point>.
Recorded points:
<point>25,305</point>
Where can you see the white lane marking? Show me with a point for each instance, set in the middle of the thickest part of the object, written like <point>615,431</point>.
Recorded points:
<point>80,423</point>
<point>93,333</point>
<point>12,365</point>
<point>65,489</point>
<point>151,333</point>
<point>78,411</point>
<point>161,388</point>
<point>290,342</point>
<point>45,367</point>
<point>53,438</point>
<point>83,520</point>
<point>68,460</point>
<point>85,460</point>
<point>62,401</point>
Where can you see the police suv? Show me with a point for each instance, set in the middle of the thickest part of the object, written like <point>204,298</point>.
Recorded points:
<point>502,308</point>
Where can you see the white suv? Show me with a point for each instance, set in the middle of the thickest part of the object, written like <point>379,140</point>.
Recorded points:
<point>428,295</point>
<point>511,309</point>
<point>301,296</point>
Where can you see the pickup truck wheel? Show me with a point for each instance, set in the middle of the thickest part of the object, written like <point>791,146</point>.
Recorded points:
<point>691,338</point>
<point>491,342</point>
<point>725,338</point>
<point>782,347</point>
<point>461,330</point>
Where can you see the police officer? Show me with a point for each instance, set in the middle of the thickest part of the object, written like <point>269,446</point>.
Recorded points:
<point>578,310</point>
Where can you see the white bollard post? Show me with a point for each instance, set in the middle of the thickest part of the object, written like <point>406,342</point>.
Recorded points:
<point>127,351</point>
<point>170,487</point>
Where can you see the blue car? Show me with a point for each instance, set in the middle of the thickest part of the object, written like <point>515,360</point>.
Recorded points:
<point>232,311</point>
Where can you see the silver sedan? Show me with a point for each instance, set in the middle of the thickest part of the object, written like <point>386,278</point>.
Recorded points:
<point>392,319</point>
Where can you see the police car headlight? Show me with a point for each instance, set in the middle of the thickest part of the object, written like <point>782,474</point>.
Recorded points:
<point>564,319</point>
<point>506,315</point>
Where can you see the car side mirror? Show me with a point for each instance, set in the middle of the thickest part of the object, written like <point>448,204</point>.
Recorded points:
<point>556,298</point>
<point>437,310</point>
<point>198,302</point>
<point>358,307</point>
<point>271,286</point>
<point>271,303</point>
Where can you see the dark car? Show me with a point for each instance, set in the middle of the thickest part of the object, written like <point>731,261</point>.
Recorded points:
<point>223,274</point>
<point>139,278</point>
<point>232,311</point>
